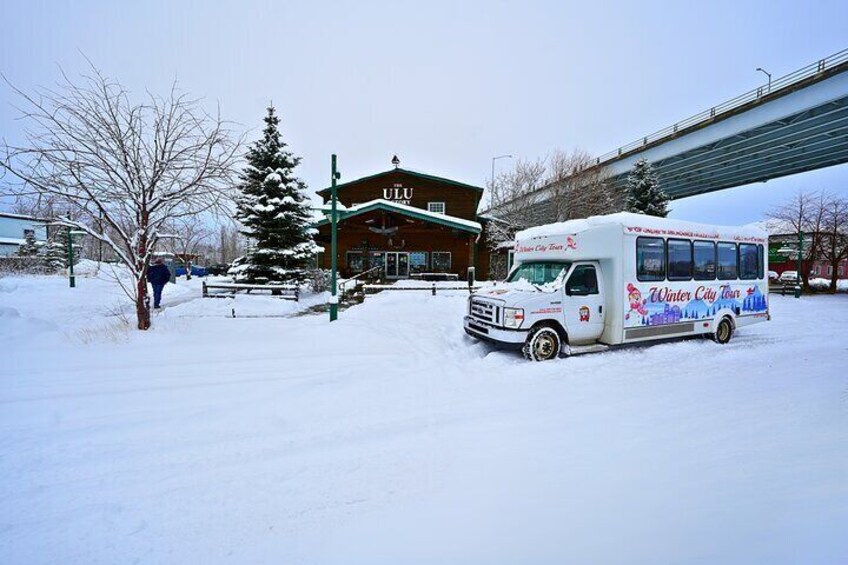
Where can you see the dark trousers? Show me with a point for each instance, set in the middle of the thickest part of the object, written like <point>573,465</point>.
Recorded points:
<point>157,294</point>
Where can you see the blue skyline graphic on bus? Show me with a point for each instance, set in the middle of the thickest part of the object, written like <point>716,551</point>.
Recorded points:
<point>661,313</point>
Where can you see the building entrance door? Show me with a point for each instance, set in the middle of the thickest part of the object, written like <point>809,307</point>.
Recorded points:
<point>397,265</point>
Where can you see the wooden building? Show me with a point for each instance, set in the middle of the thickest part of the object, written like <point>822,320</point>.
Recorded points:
<point>407,222</point>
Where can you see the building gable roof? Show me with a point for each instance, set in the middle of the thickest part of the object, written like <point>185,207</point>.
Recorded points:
<point>414,174</point>
<point>410,211</point>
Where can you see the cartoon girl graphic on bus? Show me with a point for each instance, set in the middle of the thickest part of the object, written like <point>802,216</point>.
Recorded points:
<point>637,303</point>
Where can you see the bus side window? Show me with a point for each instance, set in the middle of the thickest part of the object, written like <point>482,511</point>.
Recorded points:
<point>727,261</point>
<point>679,259</point>
<point>748,261</point>
<point>760,262</point>
<point>705,261</point>
<point>650,258</point>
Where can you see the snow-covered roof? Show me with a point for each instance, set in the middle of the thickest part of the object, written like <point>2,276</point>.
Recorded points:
<point>380,203</point>
<point>635,221</point>
<point>12,241</point>
<point>21,217</point>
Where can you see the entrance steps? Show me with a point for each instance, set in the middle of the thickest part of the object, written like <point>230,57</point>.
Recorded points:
<point>581,349</point>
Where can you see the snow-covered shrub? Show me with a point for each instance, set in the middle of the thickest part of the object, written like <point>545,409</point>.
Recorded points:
<point>319,280</point>
<point>33,265</point>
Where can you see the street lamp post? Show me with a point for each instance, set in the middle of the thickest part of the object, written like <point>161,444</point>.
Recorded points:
<point>800,263</point>
<point>334,300</point>
<point>768,74</point>
<point>493,165</point>
<point>71,233</point>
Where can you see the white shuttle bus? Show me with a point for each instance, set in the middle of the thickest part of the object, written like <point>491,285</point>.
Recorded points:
<point>584,285</point>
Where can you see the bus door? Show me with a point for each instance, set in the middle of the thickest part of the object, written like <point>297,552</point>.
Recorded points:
<point>583,304</point>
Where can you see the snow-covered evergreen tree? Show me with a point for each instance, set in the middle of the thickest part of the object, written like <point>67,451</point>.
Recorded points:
<point>274,212</point>
<point>644,193</point>
<point>56,250</point>
<point>30,247</point>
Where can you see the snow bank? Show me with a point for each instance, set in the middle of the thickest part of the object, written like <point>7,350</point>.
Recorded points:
<point>15,329</point>
<point>390,437</point>
<point>824,284</point>
<point>256,305</point>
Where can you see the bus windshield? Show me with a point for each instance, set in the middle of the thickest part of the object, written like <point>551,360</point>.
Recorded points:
<point>539,273</point>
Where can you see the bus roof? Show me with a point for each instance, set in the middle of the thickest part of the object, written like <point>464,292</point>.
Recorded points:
<point>640,224</point>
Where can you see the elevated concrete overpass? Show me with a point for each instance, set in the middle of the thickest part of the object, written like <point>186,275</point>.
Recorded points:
<point>797,123</point>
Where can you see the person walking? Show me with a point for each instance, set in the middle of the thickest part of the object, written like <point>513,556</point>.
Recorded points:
<point>159,276</point>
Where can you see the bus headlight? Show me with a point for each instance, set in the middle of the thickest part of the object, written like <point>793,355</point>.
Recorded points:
<point>513,317</point>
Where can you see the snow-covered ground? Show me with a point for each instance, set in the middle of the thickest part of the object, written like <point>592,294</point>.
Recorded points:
<point>391,437</point>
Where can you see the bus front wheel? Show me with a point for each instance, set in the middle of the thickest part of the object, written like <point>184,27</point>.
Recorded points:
<point>542,344</point>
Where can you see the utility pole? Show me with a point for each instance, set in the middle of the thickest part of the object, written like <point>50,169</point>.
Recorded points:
<point>334,300</point>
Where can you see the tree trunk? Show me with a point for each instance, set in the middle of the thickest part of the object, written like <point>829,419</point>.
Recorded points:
<point>834,277</point>
<point>142,304</point>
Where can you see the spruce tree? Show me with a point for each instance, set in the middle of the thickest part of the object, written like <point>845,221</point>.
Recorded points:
<point>644,193</point>
<point>29,248</point>
<point>56,251</point>
<point>274,213</point>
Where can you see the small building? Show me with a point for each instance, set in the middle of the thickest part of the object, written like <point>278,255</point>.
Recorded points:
<point>407,222</point>
<point>784,236</point>
<point>14,229</point>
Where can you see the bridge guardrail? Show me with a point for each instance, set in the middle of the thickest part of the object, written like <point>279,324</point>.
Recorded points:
<point>755,94</point>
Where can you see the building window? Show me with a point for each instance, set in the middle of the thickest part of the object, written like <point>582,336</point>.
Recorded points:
<point>650,258</point>
<point>679,259</point>
<point>354,262</point>
<point>436,207</point>
<point>440,261</point>
<point>705,261</point>
<point>727,260</point>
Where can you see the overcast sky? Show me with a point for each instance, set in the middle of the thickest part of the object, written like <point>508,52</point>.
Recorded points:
<point>444,85</point>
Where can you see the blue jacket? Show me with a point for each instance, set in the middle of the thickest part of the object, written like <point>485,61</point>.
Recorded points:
<point>158,275</point>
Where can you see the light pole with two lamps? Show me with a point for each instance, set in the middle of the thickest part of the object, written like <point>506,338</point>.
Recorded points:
<point>493,166</point>
<point>768,74</point>
<point>334,223</point>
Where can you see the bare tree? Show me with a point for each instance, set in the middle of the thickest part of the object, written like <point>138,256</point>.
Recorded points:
<point>804,212</point>
<point>189,233</point>
<point>512,197</point>
<point>125,168</point>
<point>835,237</point>
<point>578,187</point>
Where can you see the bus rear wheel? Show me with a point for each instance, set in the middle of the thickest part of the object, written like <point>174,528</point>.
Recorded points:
<point>724,331</point>
<point>543,344</point>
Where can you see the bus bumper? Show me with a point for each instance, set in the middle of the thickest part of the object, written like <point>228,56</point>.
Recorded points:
<point>504,338</point>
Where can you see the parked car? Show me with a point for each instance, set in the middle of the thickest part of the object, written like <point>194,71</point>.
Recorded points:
<point>218,269</point>
<point>789,276</point>
<point>196,271</point>
<point>773,276</point>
